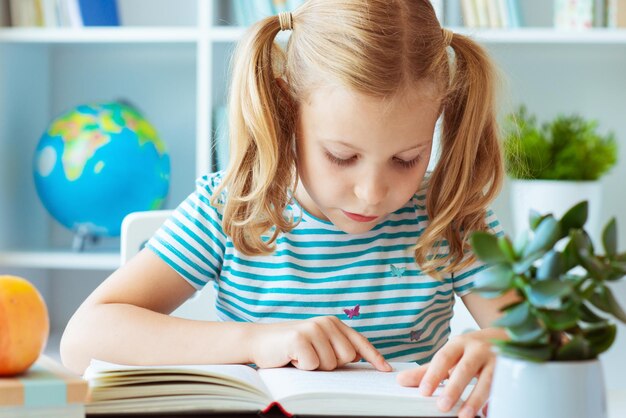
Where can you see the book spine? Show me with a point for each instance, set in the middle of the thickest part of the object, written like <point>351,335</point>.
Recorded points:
<point>99,12</point>
<point>50,14</point>
<point>599,13</point>
<point>514,13</point>
<point>72,9</point>
<point>503,9</point>
<point>469,13</point>
<point>493,13</point>
<point>620,14</point>
<point>481,12</point>
<point>573,14</point>
<point>5,16</point>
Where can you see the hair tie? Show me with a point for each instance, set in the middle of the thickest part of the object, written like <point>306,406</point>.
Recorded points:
<point>286,20</point>
<point>447,36</point>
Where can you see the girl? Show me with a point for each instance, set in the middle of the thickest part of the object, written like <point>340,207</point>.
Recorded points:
<point>325,238</point>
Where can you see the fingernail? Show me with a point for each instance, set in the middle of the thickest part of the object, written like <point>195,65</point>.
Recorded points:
<point>387,366</point>
<point>467,412</point>
<point>426,389</point>
<point>444,403</point>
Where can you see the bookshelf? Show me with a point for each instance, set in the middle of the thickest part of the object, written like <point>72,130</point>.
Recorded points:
<point>171,59</point>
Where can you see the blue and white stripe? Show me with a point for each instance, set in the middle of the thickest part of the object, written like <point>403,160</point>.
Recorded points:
<point>319,270</point>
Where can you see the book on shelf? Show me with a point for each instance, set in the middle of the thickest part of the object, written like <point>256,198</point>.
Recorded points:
<point>573,14</point>
<point>5,13</point>
<point>356,389</point>
<point>616,13</point>
<point>491,13</point>
<point>46,390</point>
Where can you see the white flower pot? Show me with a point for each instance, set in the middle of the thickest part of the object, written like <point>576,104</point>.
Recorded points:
<point>556,389</point>
<point>556,197</point>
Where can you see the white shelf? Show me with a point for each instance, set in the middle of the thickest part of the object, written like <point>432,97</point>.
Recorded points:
<point>100,35</point>
<point>58,259</point>
<point>232,34</point>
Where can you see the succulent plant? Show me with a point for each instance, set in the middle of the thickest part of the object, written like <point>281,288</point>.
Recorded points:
<point>564,305</point>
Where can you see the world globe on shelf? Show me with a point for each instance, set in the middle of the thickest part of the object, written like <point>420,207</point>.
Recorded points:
<point>97,163</point>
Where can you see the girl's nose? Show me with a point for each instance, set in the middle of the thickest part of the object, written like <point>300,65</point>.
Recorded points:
<point>371,190</point>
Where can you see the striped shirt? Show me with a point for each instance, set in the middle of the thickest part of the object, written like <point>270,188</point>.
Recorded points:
<point>370,281</point>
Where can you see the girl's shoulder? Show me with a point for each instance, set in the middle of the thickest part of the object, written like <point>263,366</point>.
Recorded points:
<point>207,185</point>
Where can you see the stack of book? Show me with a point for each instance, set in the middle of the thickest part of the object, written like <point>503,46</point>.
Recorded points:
<point>62,13</point>
<point>586,14</point>
<point>491,13</point>
<point>46,390</point>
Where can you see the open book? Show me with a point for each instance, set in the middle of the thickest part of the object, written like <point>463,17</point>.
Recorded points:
<point>356,389</point>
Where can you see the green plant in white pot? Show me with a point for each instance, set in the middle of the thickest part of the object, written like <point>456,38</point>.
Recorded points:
<point>555,164</point>
<point>549,367</point>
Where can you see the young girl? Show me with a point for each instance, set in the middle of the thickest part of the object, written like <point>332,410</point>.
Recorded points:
<point>326,240</point>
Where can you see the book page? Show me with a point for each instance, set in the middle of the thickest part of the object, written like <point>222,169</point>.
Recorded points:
<point>355,378</point>
<point>356,389</point>
<point>101,373</point>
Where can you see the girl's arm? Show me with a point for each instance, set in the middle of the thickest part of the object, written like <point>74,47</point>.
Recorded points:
<point>463,358</point>
<point>126,320</point>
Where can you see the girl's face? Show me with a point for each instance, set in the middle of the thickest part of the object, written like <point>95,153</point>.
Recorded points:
<point>360,158</point>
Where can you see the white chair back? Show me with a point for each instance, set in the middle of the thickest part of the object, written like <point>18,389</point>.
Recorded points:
<point>137,229</point>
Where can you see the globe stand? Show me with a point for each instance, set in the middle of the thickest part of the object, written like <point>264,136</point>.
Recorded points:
<point>82,236</point>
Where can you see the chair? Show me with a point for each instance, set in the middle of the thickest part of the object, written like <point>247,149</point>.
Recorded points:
<point>137,229</point>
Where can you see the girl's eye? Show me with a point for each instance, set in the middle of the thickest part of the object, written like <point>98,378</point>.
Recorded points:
<point>408,164</point>
<point>340,161</point>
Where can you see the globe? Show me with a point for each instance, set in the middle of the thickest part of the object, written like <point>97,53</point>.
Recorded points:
<point>97,163</point>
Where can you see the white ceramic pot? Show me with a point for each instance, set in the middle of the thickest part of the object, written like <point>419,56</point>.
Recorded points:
<point>555,196</point>
<point>556,389</point>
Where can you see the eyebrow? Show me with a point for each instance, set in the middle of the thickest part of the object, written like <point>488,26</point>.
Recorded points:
<point>346,144</point>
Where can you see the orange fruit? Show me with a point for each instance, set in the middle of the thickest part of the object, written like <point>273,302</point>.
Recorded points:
<point>24,325</point>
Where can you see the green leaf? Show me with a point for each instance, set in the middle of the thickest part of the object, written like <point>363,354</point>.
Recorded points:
<point>534,219</point>
<point>537,353</point>
<point>528,331</point>
<point>600,337</point>
<point>609,238</point>
<point>570,256</point>
<point>548,293</point>
<point>513,316</point>
<point>521,241</point>
<point>546,235</point>
<point>486,248</point>
<point>618,270</point>
<point>589,316</point>
<point>575,217</point>
<point>523,266</point>
<point>576,349</point>
<point>560,320</point>
<point>551,267</point>
<point>604,300</point>
<point>593,266</point>
<point>582,242</point>
<point>506,246</point>
<point>498,278</point>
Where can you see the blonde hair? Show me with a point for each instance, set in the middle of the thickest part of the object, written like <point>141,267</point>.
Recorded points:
<point>376,47</point>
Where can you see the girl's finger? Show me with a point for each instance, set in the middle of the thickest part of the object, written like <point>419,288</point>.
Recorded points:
<point>343,348</point>
<point>365,349</point>
<point>479,394</point>
<point>325,353</point>
<point>412,377</point>
<point>468,367</point>
<point>446,358</point>
<point>304,356</point>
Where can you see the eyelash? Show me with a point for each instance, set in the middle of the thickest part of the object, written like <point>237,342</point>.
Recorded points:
<point>341,162</point>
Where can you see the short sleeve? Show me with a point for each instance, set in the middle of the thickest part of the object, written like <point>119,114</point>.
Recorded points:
<point>192,240</point>
<point>463,280</point>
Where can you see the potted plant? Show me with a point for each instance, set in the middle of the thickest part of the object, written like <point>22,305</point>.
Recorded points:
<point>561,323</point>
<point>555,165</point>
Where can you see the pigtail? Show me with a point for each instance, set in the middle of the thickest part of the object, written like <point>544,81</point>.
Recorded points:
<point>470,170</point>
<point>261,170</point>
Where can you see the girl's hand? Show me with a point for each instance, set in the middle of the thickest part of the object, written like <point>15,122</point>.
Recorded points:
<point>461,359</point>
<point>322,343</point>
